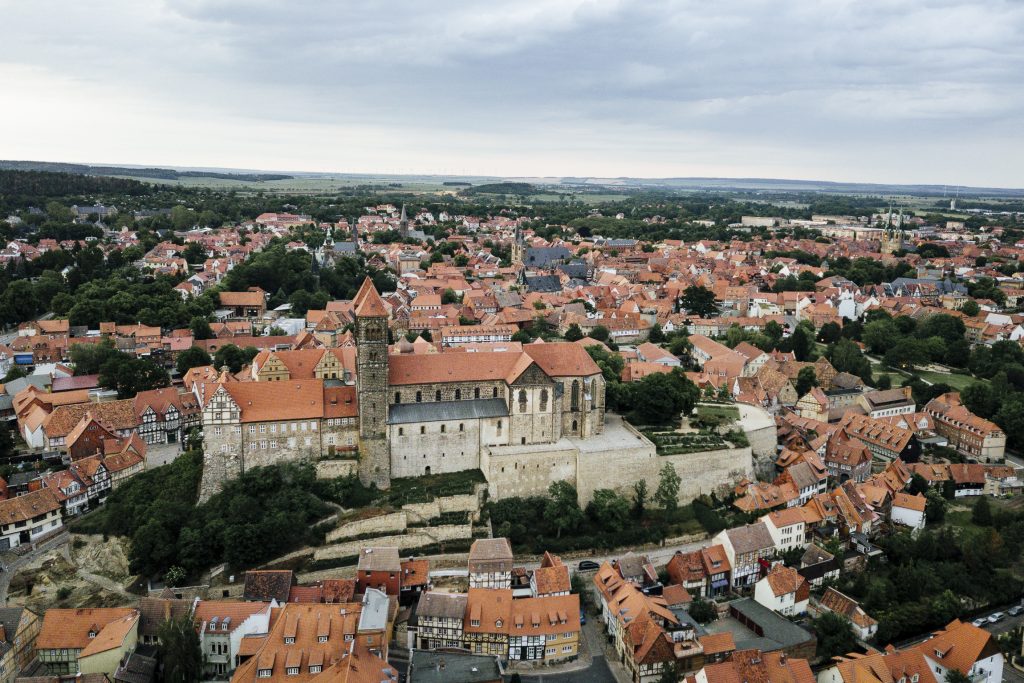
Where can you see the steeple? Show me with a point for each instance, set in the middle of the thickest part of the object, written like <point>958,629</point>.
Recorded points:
<point>403,223</point>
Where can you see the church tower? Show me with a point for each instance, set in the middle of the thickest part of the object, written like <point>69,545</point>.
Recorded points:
<point>372,385</point>
<point>517,251</point>
<point>403,224</point>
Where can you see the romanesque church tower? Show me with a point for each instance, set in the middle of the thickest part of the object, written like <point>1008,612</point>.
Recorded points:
<point>372,385</point>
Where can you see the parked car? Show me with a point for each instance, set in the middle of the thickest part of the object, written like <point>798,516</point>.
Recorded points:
<point>996,618</point>
<point>979,622</point>
<point>1016,610</point>
<point>588,566</point>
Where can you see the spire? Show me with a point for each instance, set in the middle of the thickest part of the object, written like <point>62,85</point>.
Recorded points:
<point>403,223</point>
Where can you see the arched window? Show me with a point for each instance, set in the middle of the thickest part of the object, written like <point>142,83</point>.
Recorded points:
<point>458,394</point>
<point>575,426</point>
<point>437,395</point>
<point>499,427</point>
<point>522,400</point>
<point>575,405</point>
<point>593,392</point>
<point>543,400</point>
<point>419,396</point>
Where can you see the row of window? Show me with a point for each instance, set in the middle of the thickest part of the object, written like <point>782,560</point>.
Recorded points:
<point>437,395</point>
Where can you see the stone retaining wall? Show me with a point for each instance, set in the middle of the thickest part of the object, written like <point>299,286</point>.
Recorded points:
<point>334,469</point>
<point>390,523</point>
<point>417,538</point>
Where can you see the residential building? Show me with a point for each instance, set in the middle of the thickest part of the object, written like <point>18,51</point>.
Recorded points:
<point>28,518</point>
<point>439,618</point>
<point>783,590</point>
<point>20,627</point>
<point>863,625</point>
<point>966,648</point>
<point>973,436</point>
<point>748,549</point>
<point>379,568</point>
<point>755,665</point>
<point>86,641</point>
<point>490,563</point>
<point>222,625</point>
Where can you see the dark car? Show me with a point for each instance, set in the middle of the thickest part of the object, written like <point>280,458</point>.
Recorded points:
<point>588,566</point>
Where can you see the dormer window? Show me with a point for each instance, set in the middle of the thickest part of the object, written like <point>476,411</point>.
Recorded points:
<point>497,623</point>
<point>264,673</point>
<point>92,634</point>
<point>474,622</point>
<point>316,668</point>
<point>321,639</point>
<point>289,640</point>
<point>292,671</point>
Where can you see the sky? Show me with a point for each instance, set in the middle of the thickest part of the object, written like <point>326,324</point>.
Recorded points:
<point>926,91</point>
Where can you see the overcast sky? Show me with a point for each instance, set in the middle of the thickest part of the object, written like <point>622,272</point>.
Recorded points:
<point>859,90</point>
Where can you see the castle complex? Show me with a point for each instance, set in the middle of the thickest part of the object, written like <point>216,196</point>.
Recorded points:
<point>407,415</point>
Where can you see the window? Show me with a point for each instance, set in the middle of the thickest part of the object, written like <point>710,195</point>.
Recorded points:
<point>316,668</point>
<point>522,400</point>
<point>252,429</point>
<point>423,430</point>
<point>437,395</point>
<point>476,393</point>
<point>289,640</point>
<point>398,397</point>
<point>264,673</point>
<point>443,428</point>
<point>419,396</point>
<point>499,427</point>
<point>273,443</point>
<point>401,431</point>
<point>495,394</point>
<point>575,395</point>
<point>321,639</point>
<point>543,400</point>
<point>462,427</point>
<point>263,429</point>
<point>309,441</point>
<point>217,431</point>
<point>292,671</point>
<point>567,648</point>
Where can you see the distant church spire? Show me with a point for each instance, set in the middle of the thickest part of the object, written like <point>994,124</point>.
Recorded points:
<point>403,223</point>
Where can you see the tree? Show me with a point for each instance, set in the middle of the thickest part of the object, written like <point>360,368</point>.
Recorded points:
<point>667,494</point>
<point>801,342</point>
<point>600,333</point>
<point>656,335</point>
<point>970,308</point>
<point>174,576</point>
<point>660,398</point>
<point>194,253</point>
<point>229,355</point>
<point>702,611</point>
<point>830,333</point>
<point>699,301</point>
<point>608,510</point>
<point>14,373</point>
<point>954,675</point>
<point>182,218</point>
<point>982,513</point>
<point>563,507</point>
<point>935,507</point>
<point>918,484</point>
<point>449,296</point>
<point>806,380</point>
<point>180,650</point>
<point>58,213</point>
<point>671,673</point>
<point>835,635</point>
<point>192,357</point>
<point>201,329</point>
<point>639,497</point>
<point>129,376</point>
<point>880,334</point>
<point>573,333</point>
<point>979,399</point>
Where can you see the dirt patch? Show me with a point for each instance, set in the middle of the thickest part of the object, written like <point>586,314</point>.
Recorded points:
<point>106,558</point>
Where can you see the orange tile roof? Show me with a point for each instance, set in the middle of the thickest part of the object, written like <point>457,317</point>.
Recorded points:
<point>717,643</point>
<point>961,645</point>
<point>24,508</point>
<point>754,666</point>
<point>70,628</point>
<point>367,302</point>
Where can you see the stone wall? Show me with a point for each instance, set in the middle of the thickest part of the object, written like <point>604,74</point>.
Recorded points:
<point>334,469</point>
<point>422,512</point>
<point>391,523</point>
<point>417,538</point>
<point>527,470</point>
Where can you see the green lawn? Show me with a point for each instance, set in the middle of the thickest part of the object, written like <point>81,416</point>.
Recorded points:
<point>958,382</point>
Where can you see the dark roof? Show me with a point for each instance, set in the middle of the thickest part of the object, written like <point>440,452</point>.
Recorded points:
<point>447,667</point>
<point>266,585</point>
<point>442,605</point>
<point>543,283</point>
<point>776,632</point>
<point>542,257</point>
<point>135,668</point>
<point>404,413</point>
<point>575,270</point>
<point>10,617</point>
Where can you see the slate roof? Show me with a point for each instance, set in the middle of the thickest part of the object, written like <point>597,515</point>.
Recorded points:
<point>445,667</point>
<point>405,413</point>
<point>543,283</point>
<point>542,257</point>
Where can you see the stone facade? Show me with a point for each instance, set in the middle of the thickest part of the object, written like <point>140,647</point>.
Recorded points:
<point>336,469</point>
<point>416,538</point>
